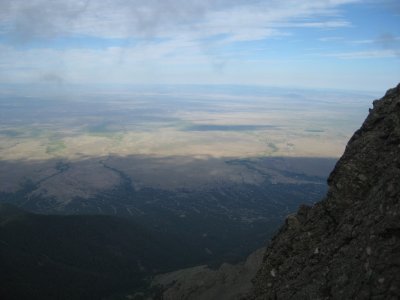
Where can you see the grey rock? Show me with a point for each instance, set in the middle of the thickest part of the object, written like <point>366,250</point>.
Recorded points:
<point>348,245</point>
<point>228,282</point>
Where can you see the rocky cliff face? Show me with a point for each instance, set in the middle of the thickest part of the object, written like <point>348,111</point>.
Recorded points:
<point>348,245</point>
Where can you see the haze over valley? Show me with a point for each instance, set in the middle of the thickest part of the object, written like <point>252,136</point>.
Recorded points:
<point>155,126</point>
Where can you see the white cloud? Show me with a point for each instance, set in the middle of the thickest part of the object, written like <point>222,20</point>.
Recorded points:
<point>363,42</point>
<point>239,19</point>
<point>364,54</point>
<point>331,39</point>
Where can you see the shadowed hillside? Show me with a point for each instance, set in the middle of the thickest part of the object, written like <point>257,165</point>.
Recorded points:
<point>78,257</point>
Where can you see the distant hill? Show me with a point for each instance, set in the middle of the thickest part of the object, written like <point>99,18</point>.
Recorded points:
<point>78,257</point>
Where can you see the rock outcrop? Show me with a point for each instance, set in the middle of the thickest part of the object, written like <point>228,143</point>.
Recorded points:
<point>202,283</point>
<point>348,245</point>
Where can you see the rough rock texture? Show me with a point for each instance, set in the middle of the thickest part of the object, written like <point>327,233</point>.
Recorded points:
<point>348,245</point>
<point>202,283</point>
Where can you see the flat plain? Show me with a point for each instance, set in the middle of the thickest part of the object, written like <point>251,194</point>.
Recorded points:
<point>218,167</point>
<point>169,128</point>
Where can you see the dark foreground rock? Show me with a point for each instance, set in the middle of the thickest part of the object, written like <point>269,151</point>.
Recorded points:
<point>202,283</point>
<point>348,245</point>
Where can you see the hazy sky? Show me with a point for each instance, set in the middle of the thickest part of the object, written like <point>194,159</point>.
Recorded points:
<point>346,44</point>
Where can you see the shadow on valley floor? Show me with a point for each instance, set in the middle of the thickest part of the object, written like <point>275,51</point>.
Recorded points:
<point>200,210</point>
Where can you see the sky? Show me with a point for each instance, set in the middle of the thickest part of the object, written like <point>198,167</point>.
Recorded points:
<point>335,44</point>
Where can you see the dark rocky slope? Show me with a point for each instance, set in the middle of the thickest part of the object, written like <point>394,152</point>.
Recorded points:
<point>348,245</point>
